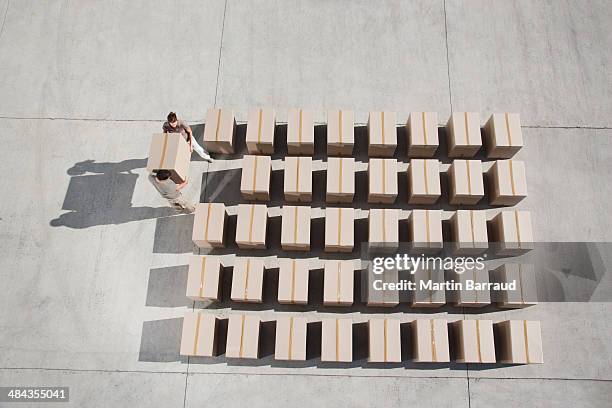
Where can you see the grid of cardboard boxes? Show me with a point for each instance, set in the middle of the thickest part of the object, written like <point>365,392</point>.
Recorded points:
<point>472,230</point>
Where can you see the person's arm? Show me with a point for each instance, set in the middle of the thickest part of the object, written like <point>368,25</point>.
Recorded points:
<point>181,186</point>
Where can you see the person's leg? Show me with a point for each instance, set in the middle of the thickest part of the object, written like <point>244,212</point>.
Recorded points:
<point>185,204</point>
<point>200,150</point>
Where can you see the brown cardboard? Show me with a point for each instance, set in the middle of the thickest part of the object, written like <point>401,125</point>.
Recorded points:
<point>469,232</point>
<point>425,230</point>
<point>383,228</point>
<point>247,280</point>
<point>203,278</point>
<point>502,135</point>
<point>339,229</point>
<point>466,182</point>
<point>384,344</point>
<point>290,343</point>
<point>382,181</point>
<point>340,180</point>
<point>170,151</point>
<point>512,231</point>
<point>382,134</point>
<point>260,131</point>
<point>526,291</point>
<point>519,342</point>
<point>474,297</point>
<point>300,132</point>
<point>242,336</point>
<point>428,296</point>
<point>219,130</point>
<point>251,226</point>
<point>293,277</point>
<point>338,283</point>
<point>424,181</point>
<point>422,130</point>
<point>298,179</point>
<point>255,180</point>
<point>430,341</point>
<point>463,134</point>
<point>199,335</point>
<point>473,340</point>
<point>508,182</point>
<point>337,340</point>
<point>340,132</point>
<point>209,225</point>
<point>295,230</point>
<point>378,292</point>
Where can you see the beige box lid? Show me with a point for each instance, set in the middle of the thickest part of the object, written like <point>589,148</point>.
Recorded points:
<point>509,178</point>
<point>463,129</point>
<point>504,130</point>
<point>467,177</point>
<point>423,129</point>
<point>251,224</point>
<point>384,296</point>
<point>475,341</point>
<point>169,151</point>
<point>198,337</point>
<point>208,223</point>
<point>521,342</point>
<point>381,129</point>
<point>290,342</point>
<point>430,341</point>
<point>338,282</point>
<point>526,292</point>
<point>476,297</point>
<point>428,297</point>
<point>298,175</point>
<point>339,226</point>
<point>382,176</point>
<point>256,171</point>
<point>384,341</point>
<point>337,340</point>
<point>341,175</point>
<point>383,226</point>
<point>293,280</point>
<point>242,336</point>
<point>340,127</point>
<point>469,229</point>
<point>515,228</point>
<point>295,229</point>
<point>300,127</point>
<point>426,227</point>
<point>203,277</point>
<point>260,126</point>
<point>247,279</point>
<point>219,125</point>
<point>424,175</point>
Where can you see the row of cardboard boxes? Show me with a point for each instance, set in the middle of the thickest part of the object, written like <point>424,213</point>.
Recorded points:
<point>428,340</point>
<point>512,230</point>
<point>516,283</point>
<point>507,180</point>
<point>502,131</point>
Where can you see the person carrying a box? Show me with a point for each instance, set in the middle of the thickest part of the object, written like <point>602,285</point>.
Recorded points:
<point>175,125</point>
<point>171,191</point>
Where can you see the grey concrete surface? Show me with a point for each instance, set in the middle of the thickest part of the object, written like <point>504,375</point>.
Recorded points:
<point>93,262</point>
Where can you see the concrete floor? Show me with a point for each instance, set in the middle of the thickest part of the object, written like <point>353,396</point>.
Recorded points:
<point>92,263</point>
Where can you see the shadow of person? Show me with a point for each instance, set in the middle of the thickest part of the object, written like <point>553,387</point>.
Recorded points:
<point>104,197</point>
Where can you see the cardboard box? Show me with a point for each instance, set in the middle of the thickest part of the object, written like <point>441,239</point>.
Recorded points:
<point>339,229</point>
<point>219,130</point>
<point>383,228</point>
<point>519,342</point>
<point>463,134</point>
<point>378,293</point>
<point>422,130</point>
<point>382,181</point>
<point>251,226</point>
<point>428,296</point>
<point>382,134</point>
<point>290,341</point>
<point>295,230</point>
<point>473,340</point>
<point>340,132</point>
<point>430,341</point>
<point>338,283</point>
<point>425,230</point>
<point>526,291</point>
<point>503,136</point>
<point>260,131</point>
<point>424,181</point>
<point>242,336</point>
<point>199,335</point>
<point>247,280</point>
<point>466,182</point>
<point>300,132</point>
<point>472,297</point>
<point>337,340</point>
<point>340,180</point>
<point>384,344</point>
<point>298,179</point>
<point>170,151</point>
<point>469,232</point>
<point>512,232</point>
<point>293,281</point>
<point>203,278</point>
<point>209,225</point>
<point>255,181</point>
<point>508,182</point>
